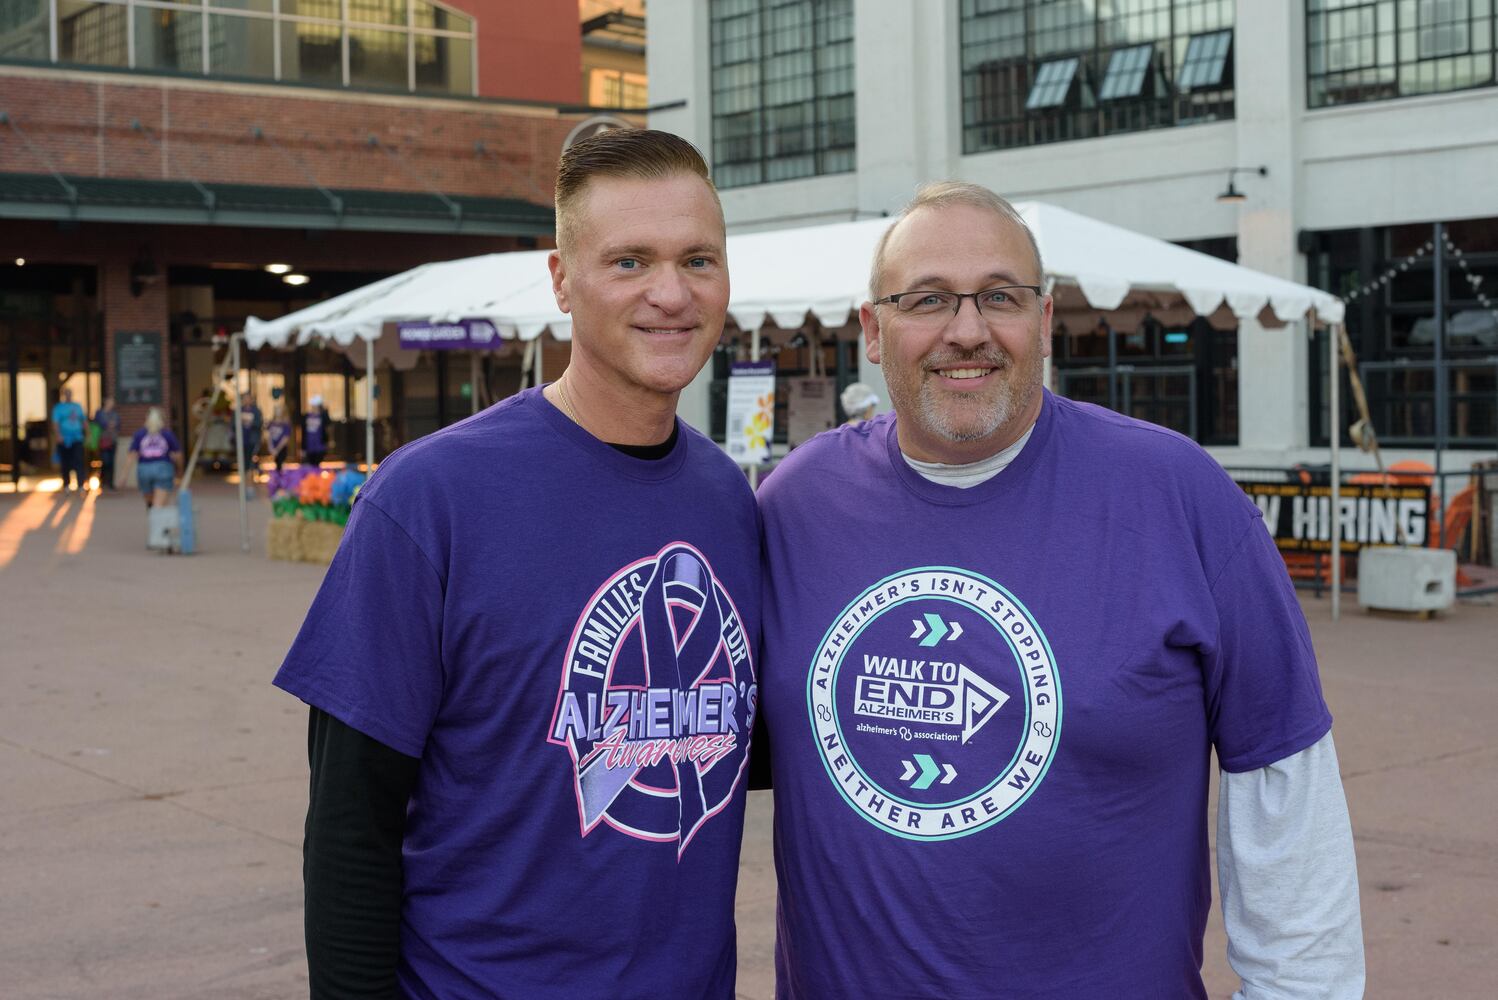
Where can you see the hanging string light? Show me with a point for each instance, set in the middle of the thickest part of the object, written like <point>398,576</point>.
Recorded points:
<point>1474,280</point>
<point>1382,280</point>
<point>1452,250</point>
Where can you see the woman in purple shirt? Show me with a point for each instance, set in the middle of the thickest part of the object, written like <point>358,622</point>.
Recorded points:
<point>278,435</point>
<point>156,452</point>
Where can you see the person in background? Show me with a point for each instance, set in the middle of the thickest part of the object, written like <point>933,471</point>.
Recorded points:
<point>251,419</point>
<point>107,418</point>
<point>315,432</point>
<point>69,425</point>
<point>859,403</point>
<point>157,454</point>
<point>278,435</point>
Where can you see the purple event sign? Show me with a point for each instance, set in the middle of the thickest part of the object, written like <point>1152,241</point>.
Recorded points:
<point>465,334</point>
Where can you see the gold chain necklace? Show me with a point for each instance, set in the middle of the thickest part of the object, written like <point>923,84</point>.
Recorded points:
<point>566,404</point>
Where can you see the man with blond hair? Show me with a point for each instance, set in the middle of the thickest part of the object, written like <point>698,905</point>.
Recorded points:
<point>994,692</point>
<point>531,666</point>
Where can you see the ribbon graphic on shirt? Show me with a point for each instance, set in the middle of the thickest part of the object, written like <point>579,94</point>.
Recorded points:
<point>657,699</point>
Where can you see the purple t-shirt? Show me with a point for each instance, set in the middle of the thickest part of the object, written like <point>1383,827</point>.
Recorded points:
<point>157,447</point>
<point>992,710</point>
<point>278,431</point>
<point>315,431</point>
<point>561,633</point>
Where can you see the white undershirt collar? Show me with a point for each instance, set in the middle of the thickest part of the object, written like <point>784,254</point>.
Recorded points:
<point>966,476</point>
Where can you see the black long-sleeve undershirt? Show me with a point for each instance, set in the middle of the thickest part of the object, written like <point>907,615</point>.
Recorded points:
<point>351,860</point>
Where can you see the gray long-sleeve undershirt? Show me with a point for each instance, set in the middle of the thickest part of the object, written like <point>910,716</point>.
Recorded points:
<point>1289,879</point>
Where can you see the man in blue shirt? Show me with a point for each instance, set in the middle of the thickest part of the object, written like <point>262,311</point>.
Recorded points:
<point>69,424</point>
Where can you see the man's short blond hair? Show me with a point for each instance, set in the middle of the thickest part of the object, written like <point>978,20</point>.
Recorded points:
<point>944,194</point>
<point>636,153</point>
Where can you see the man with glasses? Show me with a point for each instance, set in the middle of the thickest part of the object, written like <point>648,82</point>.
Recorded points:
<point>993,694</point>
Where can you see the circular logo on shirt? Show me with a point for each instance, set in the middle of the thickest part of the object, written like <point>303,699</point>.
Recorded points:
<point>935,703</point>
<point>657,699</point>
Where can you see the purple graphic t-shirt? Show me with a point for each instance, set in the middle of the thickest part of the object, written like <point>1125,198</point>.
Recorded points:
<point>314,431</point>
<point>992,710</point>
<point>278,431</point>
<point>154,447</point>
<point>566,636</point>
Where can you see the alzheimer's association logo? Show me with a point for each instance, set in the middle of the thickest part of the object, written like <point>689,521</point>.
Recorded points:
<point>657,699</point>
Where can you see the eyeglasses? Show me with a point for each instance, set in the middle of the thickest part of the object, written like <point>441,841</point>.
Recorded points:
<point>994,304</point>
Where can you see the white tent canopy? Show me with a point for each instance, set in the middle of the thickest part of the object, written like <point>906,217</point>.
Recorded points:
<point>780,276</point>
<point>512,290</point>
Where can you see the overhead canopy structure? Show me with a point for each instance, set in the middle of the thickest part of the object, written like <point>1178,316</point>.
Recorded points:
<point>781,276</point>
<point>1094,271</point>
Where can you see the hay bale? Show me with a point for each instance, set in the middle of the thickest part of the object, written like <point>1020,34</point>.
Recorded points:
<point>283,539</point>
<point>320,541</point>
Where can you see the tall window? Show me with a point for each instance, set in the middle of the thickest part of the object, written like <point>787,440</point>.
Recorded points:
<point>1036,71</point>
<point>1388,274</point>
<point>406,45</point>
<point>782,77</point>
<point>1371,50</point>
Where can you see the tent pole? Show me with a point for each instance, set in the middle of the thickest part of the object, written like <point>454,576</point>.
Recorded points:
<point>1334,423</point>
<point>540,373</point>
<point>1438,491</point>
<point>369,401</point>
<point>244,511</point>
<point>473,379</point>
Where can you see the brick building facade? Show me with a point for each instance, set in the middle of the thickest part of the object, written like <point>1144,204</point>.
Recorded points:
<point>137,201</point>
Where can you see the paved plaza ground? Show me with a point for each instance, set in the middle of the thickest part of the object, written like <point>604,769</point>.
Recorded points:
<point>152,782</point>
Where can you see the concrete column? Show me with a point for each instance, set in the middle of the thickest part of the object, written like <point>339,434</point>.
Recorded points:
<point>1270,94</point>
<point>679,63</point>
<point>907,99</point>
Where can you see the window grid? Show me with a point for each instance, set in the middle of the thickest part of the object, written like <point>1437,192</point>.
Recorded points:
<point>1126,72</point>
<point>1445,28</point>
<point>782,89</point>
<point>1393,328</point>
<point>406,45</point>
<point>1129,59</point>
<point>1052,84</point>
<point>1373,50</point>
<point>1206,60</point>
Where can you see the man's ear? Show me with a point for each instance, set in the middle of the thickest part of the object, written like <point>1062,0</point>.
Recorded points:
<point>1047,314</point>
<point>559,280</point>
<point>869,320</point>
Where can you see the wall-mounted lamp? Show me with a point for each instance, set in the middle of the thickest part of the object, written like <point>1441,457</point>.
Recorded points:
<point>295,279</point>
<point>143,274</point>
<point>278,268</point>
<point>1232,194</point>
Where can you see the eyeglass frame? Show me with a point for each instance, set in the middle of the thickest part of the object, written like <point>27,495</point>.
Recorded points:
<point>894,299</point>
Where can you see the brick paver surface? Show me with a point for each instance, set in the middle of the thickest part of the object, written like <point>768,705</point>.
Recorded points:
<point>152,782</point>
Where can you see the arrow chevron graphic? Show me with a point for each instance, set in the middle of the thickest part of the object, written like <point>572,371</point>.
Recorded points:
<point>929,771</point>
<point>909,771</point>
<point>938,630</point>
<point>934,630</point>
<point>951,772</point>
